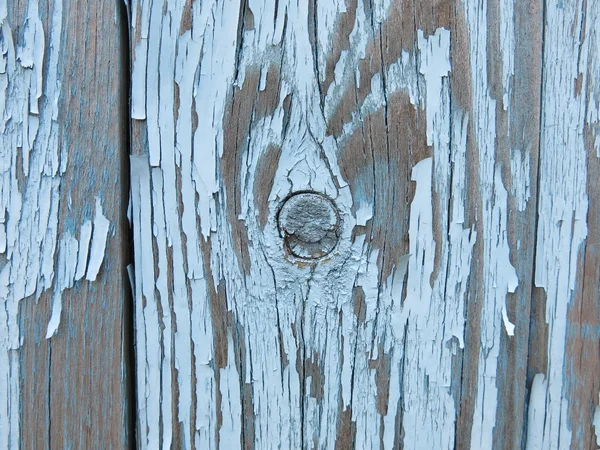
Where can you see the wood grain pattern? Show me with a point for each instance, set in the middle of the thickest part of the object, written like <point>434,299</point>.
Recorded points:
<point>63,106</point>
<point>459,142</point>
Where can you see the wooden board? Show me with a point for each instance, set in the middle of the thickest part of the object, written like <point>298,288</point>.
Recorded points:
<point>63,196</point>
<point>459,144</point>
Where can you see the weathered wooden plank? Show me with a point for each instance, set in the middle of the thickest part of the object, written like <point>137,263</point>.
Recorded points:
<point>501,96</point>
<point>63,124</point>
<point>566,218</point>
<point>449,313</point>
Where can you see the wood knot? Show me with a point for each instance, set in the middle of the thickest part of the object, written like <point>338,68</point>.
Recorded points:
<point>309,223</point>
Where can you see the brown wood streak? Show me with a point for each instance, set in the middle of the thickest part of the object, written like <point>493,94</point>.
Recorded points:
<point>517,128</point>
<point>239,118</point>
<point>582,364</point>
<point>465,379</point>
<point>247,105</point>
<point>74,387</point>
<point>265,175</point>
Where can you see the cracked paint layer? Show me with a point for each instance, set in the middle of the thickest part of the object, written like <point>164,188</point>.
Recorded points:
<point>239,105</point>
<point>499,276</point>
<point>305,309</point>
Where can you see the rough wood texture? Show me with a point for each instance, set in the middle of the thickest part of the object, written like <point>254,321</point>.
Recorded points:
<point>63,235</point>
<point>459,142</point>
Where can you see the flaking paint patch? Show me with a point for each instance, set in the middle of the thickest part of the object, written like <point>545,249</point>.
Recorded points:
<point>536,414</point>
<point>596,422</point>
<point>277,297</point>
<point>520,178</point>
<point>432,314</point>
<point>498,275</point>
<point>592,42</point>
<point>507,45</point>
<point>37,256</point>
<point>175,146</point>
<point>231,428</point>
<point>569,56</point>
<point>73,261</point>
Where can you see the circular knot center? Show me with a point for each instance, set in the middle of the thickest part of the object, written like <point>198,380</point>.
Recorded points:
<point>309,222</point>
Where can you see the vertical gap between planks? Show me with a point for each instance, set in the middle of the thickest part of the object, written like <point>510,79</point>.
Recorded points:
<point>532,318</point>
<point>127,244</point>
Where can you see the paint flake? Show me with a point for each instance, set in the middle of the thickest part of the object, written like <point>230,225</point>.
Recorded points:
<point>596,422</point>
<point>99,238</point>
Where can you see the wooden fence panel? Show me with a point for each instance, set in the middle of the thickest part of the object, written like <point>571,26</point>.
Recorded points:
<point>356,224</point>
<point>63,231</point>
<point>366,224</point>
